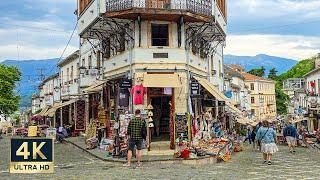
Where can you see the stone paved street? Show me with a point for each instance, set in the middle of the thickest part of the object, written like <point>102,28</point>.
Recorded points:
<point>74,164</point>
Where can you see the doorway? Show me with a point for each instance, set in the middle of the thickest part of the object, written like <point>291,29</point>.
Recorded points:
<point>162,114</point>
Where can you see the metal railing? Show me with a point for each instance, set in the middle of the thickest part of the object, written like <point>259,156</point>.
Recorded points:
<point>203,7</point>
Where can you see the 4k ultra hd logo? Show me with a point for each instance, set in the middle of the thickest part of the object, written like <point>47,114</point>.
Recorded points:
<point>31,156</point>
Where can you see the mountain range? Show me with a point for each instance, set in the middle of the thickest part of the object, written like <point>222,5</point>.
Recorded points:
<point>249,62</point>
<point>33,71</point>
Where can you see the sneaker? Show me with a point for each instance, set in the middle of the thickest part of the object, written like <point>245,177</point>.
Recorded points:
<point>294,151</point>
<point>269,163</point>
<point>264,162</point>
<point>126,165</point>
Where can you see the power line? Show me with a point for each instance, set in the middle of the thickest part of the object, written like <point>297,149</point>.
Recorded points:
<point>74,29</point>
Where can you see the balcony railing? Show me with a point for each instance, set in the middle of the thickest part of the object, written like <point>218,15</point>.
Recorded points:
<point>202,7</point>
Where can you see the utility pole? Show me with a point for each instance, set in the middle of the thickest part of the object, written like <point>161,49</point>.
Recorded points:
<point>40,72</point>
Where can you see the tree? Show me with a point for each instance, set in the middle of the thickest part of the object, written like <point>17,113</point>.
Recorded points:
<point>17,119</point>
<point>258,71</point>
<point>9,100</point>
<point>273,74</point>
<point>281,99</point>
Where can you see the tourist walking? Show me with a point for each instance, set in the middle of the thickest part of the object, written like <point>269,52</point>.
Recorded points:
<point>258,142</point>
<point>137,131</point>
<point>253,138</point>
<point>248,137</point>
<point>267,136</point>
<point>290,134</point>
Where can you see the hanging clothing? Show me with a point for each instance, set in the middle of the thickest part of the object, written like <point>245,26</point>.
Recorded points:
<point>167,91</point>
<point>138,93</point>
<point>124,98</point>
<point>190,106</point>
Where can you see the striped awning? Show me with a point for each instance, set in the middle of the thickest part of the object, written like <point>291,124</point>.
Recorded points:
<point>43,111</point>
<point>219,95</point>
<point>55,107</point>
<point>95,88</point>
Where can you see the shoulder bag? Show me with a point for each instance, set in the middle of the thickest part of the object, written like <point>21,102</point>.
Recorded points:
<point>259,140</point>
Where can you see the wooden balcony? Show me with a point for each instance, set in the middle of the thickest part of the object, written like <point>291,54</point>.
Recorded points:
<point>169,10</point>
<point>83,4</point>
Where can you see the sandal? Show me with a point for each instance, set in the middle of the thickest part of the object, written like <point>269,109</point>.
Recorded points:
<point>126,165</point>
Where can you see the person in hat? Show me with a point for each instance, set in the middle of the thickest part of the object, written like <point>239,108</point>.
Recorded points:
<point>290,134</point>
<point>137,131</point>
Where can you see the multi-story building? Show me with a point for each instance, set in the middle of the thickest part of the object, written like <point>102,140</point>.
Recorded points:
<point>49,87</point>
<point>312,98</point>
<point>235,87</point>
<point>137,42</point>
<point>69,75</point>
<point>293,88</point>
<point>161,46</point>
<point>35,103</point>
<point>262,95</point>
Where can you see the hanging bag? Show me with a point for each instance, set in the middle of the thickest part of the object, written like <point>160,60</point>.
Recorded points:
<point>144,131</point>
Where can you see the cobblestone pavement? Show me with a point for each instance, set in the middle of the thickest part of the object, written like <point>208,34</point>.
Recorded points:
<point>74,164</point>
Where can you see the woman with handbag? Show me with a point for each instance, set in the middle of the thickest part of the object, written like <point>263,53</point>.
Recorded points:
<point>268,138</point>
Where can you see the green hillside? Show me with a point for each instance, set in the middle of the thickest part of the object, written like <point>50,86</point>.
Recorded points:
<point>297,71</point>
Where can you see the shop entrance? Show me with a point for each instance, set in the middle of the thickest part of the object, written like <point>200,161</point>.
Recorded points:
<point>162,104</point>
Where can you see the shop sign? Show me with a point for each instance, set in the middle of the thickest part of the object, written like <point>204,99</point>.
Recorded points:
<point>221,103</point>
<point>126,83</point>
<point>195,88</point>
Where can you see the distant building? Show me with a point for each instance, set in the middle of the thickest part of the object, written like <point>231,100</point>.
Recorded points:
<point>236,88</point>
<point>293,88</point>
<point>261,96</point>
<point>313,96</point>
<point>69,76</point>
<point>35,103</point>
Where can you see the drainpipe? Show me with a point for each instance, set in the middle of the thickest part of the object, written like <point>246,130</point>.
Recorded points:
<point>131,61</point>
<point>188,68</point>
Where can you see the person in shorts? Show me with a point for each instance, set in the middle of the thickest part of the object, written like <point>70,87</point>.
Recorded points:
<point>135,129</point>
<point>290,134</point>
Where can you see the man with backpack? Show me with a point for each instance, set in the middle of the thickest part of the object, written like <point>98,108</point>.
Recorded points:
<point>290,134</point>
<point>137,132</point>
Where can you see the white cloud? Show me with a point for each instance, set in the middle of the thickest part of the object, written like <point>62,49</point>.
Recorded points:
<point>301,9</point>
<point>35,40</point>
<point>289,46</point>
<point>10,51</point>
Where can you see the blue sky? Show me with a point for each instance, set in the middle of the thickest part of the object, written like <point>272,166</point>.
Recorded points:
<point>38,29</point>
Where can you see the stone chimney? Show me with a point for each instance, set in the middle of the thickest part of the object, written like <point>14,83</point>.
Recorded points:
<point>317,61</point>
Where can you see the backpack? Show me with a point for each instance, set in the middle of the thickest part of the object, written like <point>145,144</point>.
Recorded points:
<point>289,133</point>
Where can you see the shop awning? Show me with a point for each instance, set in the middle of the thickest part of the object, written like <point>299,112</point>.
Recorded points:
<point>254,123</point>
<point>243,121</point>
<point>43,111</point>
<point>95,88</point>
<point>54,108</point>
<point>219,95</point>
<point>315,109</point>
<point>161,80</point>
